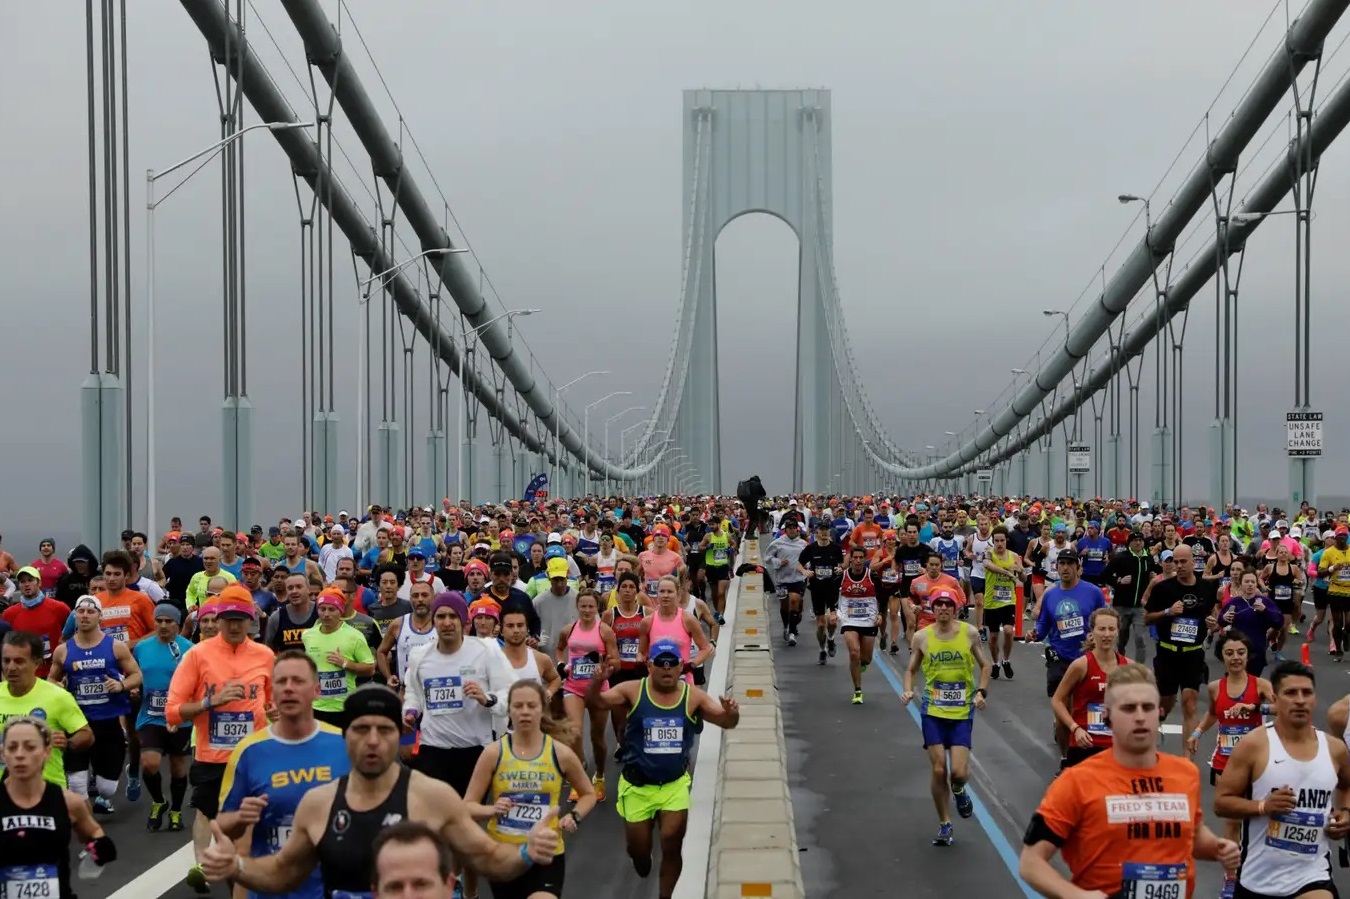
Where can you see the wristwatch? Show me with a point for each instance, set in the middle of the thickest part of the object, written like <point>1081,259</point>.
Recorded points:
<point>491,701</point>
<point>983,692</point>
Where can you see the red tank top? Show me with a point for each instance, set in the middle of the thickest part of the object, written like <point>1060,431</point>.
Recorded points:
<point>861,588</point>
<point>626,636</point>
<point>1233,727</point>
<point>1089,706</point>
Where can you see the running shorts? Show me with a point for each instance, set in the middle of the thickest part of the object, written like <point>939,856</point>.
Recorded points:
<point>1320,598</point>
<point>798,587</point>
<point>947,732</point>
<point>1055,670</point>
<point>860,631</point>
<point>106,756</point>
<point>637,804</point>
<point>1241,892</point>
<point>977,585</point>
<point>156,738</point>
<point>1179,670</point>
<point>624,676</point>
<point>537,879</point>
<point>453,766</point>
<point>717,572</point>
<point>206,779</point>
<point>823,599</point>
<point>1003,616</point>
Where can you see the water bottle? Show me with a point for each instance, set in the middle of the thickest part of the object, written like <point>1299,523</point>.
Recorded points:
<point>89,868</point>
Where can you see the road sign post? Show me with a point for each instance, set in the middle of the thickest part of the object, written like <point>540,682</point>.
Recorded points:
<point>1303,445</point>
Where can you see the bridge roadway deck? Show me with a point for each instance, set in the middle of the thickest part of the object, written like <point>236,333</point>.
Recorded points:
<point>859,779</point>
<point>597,864</point>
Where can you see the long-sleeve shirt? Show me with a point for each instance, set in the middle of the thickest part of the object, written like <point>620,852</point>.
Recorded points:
<point>555,614</point>
<point>435,687</point>
<point>211,666</point>
<point>780,559</point>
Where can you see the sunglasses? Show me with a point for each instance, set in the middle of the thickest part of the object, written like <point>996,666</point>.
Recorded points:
<point>665,662</point>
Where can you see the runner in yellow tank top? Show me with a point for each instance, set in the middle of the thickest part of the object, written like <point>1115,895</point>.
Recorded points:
<point>948,651</point>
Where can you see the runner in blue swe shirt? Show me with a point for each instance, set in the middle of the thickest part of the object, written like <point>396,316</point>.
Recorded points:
<point>271,770</point>
<point>1095,551</point>
<point>158,657</point>
<point>1062,625</point>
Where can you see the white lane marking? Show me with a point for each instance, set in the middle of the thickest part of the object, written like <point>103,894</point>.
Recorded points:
<point>1169,728</point>
<point>163,877</point>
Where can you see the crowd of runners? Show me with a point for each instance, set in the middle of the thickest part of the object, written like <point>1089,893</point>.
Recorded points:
<point>354,704</point>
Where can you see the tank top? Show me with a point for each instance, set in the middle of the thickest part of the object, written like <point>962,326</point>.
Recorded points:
<point>1089,710</point>
<point>1281,585</point>
<point>344,851</point>
<point>35,851</point>
<point>1284,853</point>
<point>657,739</point>
<point>1223,568</point>
<point>950,551</point>
<point>290,633</point>
<point>949,674</point>
<point>581,643</point>
<point>1233,728</point>
<point>999,589</point>
<point>87,671</point>
<point>604,571</point>
<point>532,785</point>
<point>626,630</point>
<point>530,670</point>
<point>1049,566</point>
<point>409,638</point>
<point>979,547</point>
<point>858,600</point>
<point>673,629</point>
<point>718,554</point>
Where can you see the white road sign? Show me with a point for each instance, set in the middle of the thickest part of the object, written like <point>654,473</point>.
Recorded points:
<point>1303,433</point>
<point>1080,458</point>
<point>985,475</point>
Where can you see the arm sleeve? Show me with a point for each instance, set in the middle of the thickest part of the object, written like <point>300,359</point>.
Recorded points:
<point>68,630</point>
<point>1060,809</point>
<point>413,697</point>
<point>182,688</point>
<point>500,678</point>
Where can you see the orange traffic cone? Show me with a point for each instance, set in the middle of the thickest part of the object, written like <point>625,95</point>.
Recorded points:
<point>1305,656</point>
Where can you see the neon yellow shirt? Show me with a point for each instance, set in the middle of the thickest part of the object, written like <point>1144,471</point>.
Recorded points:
<point>57,707</point>
<point>334,681</point>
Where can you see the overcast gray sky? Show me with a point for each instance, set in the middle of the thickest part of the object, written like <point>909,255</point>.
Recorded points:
<point>978,151</point>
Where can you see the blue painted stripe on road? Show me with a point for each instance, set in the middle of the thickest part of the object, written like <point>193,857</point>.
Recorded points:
<point>986,821</point>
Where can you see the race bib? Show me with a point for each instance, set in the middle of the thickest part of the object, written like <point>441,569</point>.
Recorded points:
<point>1071,626</point>
<point>663,736</point>
<point>1096,720</point>
<point>444,695</point>
<point>1141,881</point>
<point>30,882</point>
<point>1299,833</point>
<point>1185,630</point>
<point>281,833</point>
<point>333,683</point>
<point>913,568</point>
<point>1284,592</point>
<point>628,649</point>
<point>118,633</point>
<point>823,572</point>
<point>583,669</point>
<point>91,692</point>
<point>719,557</point>
<point>157,701</point>
<point>528,810</point>
<point>1002,593</point>
<point>651,587</point>
<point>227,730</point>
<point>46,649</point>
<point>352,894</point>
<point>948,694</point>
<point>1343,576</point>
<point>870,543</point>
<point>1229,734</point>
<point>890,576</point>
<point>858,608</point>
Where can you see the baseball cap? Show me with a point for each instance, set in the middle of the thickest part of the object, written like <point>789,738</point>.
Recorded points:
<point>501,561</point>
<point>1328,535</point>
<point>89,602</point>
<point>274,531</point>
<point>554,537</point>
<point>664,648</point>
<point>557,568</point>
<point>337,529</point>
<point>1282,523</point>
<point>128,534</point>
<point>29,571</point>
<point>416,553</point>
<point>236,602</point>
<point>1296,532</point>
<point>1068,554</point>
<point>1166,555</point>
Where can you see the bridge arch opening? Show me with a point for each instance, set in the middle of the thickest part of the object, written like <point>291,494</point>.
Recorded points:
<point>756,260</point>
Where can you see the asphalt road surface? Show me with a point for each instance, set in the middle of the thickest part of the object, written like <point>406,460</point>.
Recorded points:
<point>860,778</point>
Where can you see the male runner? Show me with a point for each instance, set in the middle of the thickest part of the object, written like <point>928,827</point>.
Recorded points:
<point>1065,610</point>
<point>1127,822</point>
<point>335,826</point>
<point>1289,783</point>
<point>821,564</point>
<point>158,659</point>
<point>948,651</point>
<point>860,618</point>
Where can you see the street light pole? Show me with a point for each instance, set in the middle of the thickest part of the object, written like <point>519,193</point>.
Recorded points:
<point>586,432</point>
<point>362,338</point>
<point>459,415</point>
<point>607,421</point>
<point>557,423</point>
<point>151,204</point>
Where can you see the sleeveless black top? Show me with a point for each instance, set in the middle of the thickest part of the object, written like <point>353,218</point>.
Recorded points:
<point>35,846</point>
<point>345,858</point>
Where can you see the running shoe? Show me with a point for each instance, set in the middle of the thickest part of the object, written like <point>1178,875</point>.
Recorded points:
<point>175,821</point>
<point>829,647</point>
<point>994,672</point>
<point>791,639</point>
<point>618,754</point>
<point>1229,887</point>
<point>895,648</point>
<point>196,878</point>
<point>156,819</point>
<point>787,634</point>
<point>721,621</point>
<point>822,657</point>
<point>862,669</point>
<point>599,783</point>
<point>984,635</point>
<point>574,795</point>
<point>1008,673</point>
<point>965,806</point>
<point>133,788</point>
<point>103,806</point>
<point>857,697</point>
<point>945,836</point>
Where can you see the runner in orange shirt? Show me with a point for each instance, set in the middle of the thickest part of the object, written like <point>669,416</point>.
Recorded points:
<point>867,535</point>
<point>223,688</point>
<point>919,610</point>
<point>128,615</point>
<point>1129,821</point>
